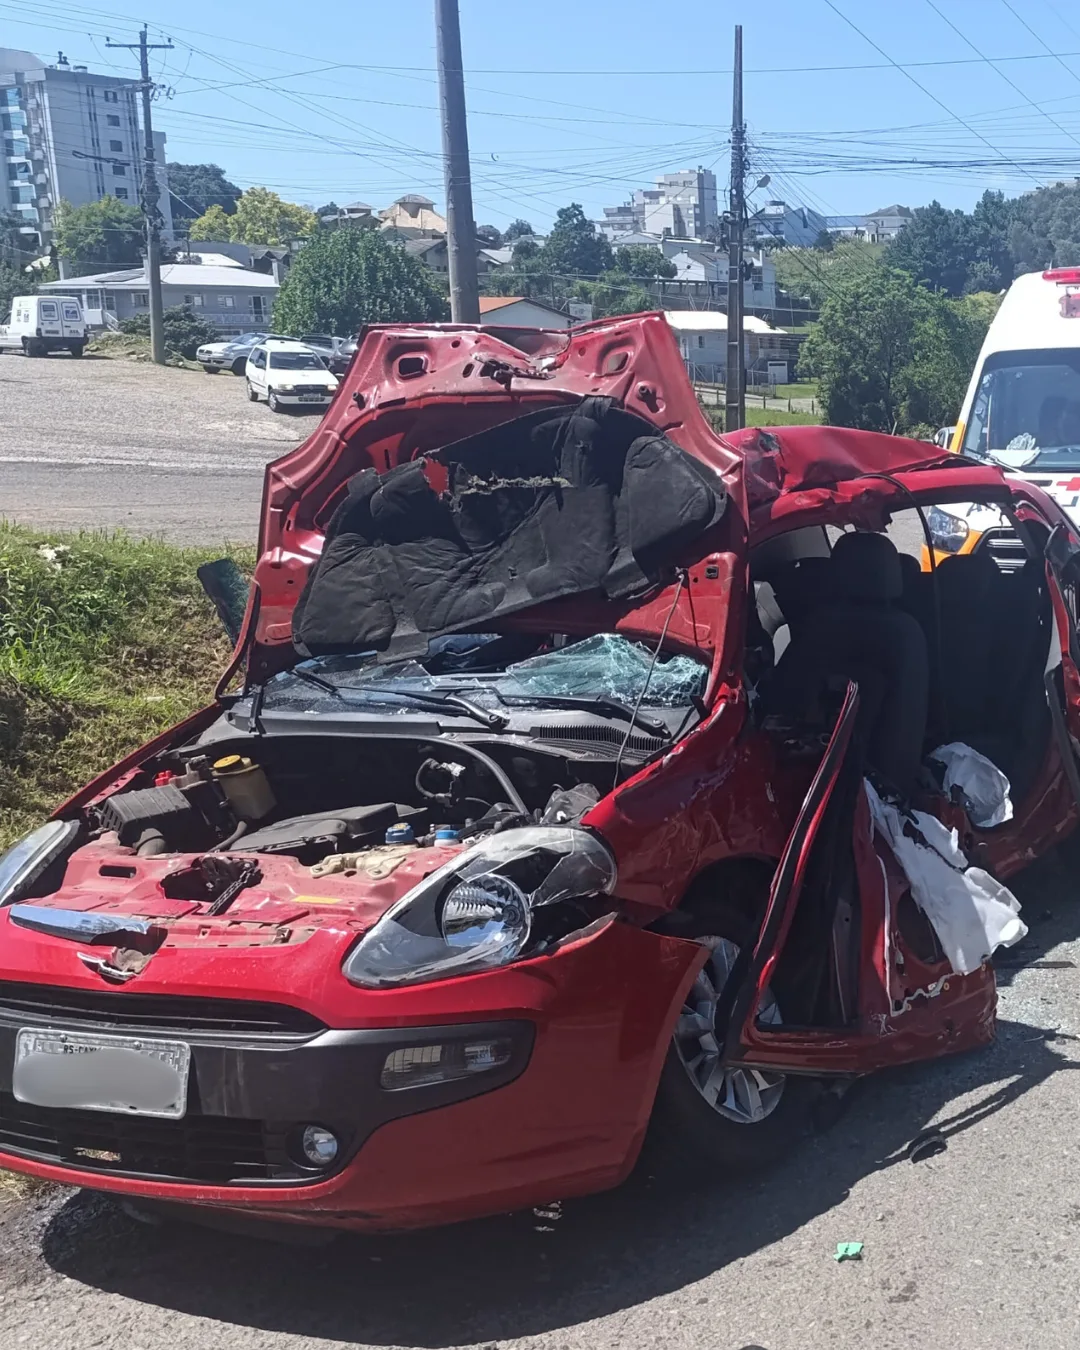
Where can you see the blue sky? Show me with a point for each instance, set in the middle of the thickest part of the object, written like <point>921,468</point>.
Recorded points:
<point>578,101</point>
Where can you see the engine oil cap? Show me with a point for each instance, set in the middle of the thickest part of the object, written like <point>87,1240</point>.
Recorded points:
<point>402,833</point>
<point>446,834</point>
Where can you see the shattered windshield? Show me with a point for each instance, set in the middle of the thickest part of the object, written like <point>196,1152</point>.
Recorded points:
<point>605,666</point>
<point>1026,413</point>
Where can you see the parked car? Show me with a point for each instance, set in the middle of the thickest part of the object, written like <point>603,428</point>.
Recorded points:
<point>40,324</point>
<point>288,374</point>
<point>229,354</point>
<point>340,361</point>
<point>567,801</point>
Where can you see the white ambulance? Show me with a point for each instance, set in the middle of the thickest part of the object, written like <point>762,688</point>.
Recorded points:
<point>1022,408</point>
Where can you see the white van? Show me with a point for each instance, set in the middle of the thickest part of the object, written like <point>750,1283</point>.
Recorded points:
<point>39,324</point>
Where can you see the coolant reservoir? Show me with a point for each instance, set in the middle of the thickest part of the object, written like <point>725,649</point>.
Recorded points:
<point>246,786</point>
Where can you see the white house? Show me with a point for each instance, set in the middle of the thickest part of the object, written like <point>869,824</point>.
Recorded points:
<point>702,338</point>
<point>514,311</point>
<point>233,299</point>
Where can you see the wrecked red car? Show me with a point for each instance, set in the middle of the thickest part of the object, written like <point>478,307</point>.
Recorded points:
<point>573,782</point>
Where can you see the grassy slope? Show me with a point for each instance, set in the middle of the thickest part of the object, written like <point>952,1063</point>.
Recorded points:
<point>764,417</point>
<point>104,641</point>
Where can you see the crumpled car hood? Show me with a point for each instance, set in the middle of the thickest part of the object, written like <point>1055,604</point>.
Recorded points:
<point>285,906</point>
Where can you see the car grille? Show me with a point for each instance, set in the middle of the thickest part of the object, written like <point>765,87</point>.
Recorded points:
<point>1006,548</point>
<point>216,1149</point>
<point>33,1003</point>
<point>311,389</point>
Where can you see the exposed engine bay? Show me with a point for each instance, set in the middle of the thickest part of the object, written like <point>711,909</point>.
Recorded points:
<point>310,797</point>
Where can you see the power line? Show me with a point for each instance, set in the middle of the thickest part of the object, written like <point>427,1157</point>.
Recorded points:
<point>918,85</point>
<point>1011,83</point>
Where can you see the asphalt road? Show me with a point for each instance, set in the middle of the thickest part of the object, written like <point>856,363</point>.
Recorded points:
<point>975,1248</point>
<point>100,443</point>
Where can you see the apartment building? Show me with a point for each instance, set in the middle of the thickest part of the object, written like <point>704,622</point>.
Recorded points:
<point>69,135</point>
<point>683,205</point>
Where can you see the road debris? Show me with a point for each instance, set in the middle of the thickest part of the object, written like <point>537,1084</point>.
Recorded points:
<point>848,1251</point>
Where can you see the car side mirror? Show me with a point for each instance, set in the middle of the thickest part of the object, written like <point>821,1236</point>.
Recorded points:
<point>228,588</point>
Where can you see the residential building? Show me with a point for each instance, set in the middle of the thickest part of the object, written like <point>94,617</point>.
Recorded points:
<point>702,274</point>
<point>515,311</point>
<point>876,228</point>
<point>356,213</point>
<point>681,204</point>
<point>233,299</point>
<point>412,217</point>
<point>273,259</point>
<point>434,253</point>
<point>72,136</point>
<point>794,226</point>
<point>702,338</point>
<point>881,226</point>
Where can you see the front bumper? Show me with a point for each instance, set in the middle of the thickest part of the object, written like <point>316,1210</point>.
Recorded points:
<point>590,1025</point>
<point>322,400</point>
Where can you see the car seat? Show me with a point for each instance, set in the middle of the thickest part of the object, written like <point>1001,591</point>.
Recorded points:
<point>861,633</point>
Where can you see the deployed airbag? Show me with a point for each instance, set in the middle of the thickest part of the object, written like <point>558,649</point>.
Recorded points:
<point>552,504</point>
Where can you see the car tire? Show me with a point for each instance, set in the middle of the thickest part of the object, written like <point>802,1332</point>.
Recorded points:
<point>238,367</point>
<point>274,403</point>
<point>253,396</point>
<point>211,370</point>
<point>31,347</point>
<point>754,1119</point>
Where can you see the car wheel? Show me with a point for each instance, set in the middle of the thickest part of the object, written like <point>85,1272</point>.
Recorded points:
<point>76,349</point>
<point>708,1115</point>
<point>210,370</point>
<point>274,403</point>
<point>253,396</point>
<point>238,367</point>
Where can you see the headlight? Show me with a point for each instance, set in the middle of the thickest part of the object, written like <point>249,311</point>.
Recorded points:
<point>949,533</point>
<point>25,861</point>
<point>285,388</point>
<point>476,912</point>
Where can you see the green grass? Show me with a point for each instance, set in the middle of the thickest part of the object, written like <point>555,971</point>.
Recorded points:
<point>768,417</point>
<point>764,417</point>
<point>104,641</point>
<point>809,390</point>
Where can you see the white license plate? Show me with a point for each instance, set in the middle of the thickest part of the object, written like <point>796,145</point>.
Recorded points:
<point>312,398</point>
<point>101,1073</point>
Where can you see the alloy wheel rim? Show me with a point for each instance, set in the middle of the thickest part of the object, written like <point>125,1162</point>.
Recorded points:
<point>743,1095</point>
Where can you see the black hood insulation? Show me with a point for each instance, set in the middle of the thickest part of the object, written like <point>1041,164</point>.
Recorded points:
<point>551,504</point>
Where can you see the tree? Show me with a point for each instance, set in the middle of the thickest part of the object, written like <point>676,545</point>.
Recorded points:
<point>574,248</point>
<point>1044,230</point>
<point>891,354</point>
<point>184,331</point>
<point>643,260</point>
<point>935,247</point>
<point>194,188</point>
<point>516,229</point>
<point>100,236</point>
<point>824,241</point>
<point>330,209</point>
<point>215,223</point>
<point>489,236</point>
<point>261,217</point>
<point>813,274</point>
<point>342,279</point>
<point>992,265</point>
<point>13,282</point>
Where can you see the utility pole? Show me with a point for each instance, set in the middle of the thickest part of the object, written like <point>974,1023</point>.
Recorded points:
<point>149,194</point>
<point>460,226</point>
<point>735,397</point>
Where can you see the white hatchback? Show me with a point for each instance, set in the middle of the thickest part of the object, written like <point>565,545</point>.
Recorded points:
<point>289,375</point>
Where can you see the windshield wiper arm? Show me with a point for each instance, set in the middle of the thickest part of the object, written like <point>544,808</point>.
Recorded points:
<point>589,703</point>
<point>488,716</point>
<point>437,703</point>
